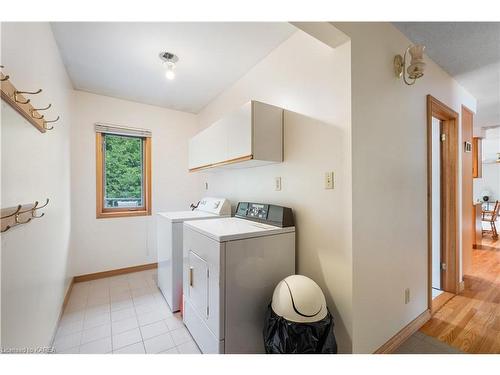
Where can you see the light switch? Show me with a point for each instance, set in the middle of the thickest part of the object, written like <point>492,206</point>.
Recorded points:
<point>206,185</point>
<point>329,180</point>
<point>277,183</point>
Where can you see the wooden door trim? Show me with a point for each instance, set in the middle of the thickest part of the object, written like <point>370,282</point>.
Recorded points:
<point>441,111</point>
<point>477,163</point>
<point>468,230</point>
<point>440,300</point>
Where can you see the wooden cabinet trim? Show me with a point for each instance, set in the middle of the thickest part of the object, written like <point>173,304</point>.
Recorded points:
<point>225,162</point>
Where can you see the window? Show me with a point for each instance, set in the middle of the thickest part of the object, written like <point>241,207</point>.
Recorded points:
<point>123,172</point>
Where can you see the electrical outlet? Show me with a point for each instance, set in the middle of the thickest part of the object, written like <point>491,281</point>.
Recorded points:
<point>407,296</point>
<point>206,185</point>
<point>329,180</point>
<point>277,183</point>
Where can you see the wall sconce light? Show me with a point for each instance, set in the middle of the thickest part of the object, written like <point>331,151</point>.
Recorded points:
<point>417,65</point>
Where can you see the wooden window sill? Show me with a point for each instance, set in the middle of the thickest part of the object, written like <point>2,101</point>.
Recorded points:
<point>112,214</point>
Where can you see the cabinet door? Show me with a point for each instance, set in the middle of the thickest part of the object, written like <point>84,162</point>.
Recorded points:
<point>217,143</point>
<point>194,152</point>
<point>238,129</point>
<point>204,149</point>
<point>198,284</point>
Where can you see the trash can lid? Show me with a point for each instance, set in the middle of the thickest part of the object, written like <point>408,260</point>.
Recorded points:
<point>299,299</point>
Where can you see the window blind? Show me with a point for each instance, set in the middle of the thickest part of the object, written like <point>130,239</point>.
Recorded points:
<point>102,127</point>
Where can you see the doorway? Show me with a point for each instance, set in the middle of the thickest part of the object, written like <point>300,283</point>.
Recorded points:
<point>443,241</point>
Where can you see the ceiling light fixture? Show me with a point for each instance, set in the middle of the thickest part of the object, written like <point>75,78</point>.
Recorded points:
<point>417,65</point>
<point>169,59</point>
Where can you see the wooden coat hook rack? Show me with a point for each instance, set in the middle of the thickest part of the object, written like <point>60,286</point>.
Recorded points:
<point>21,214</point>
<point>20,101</point>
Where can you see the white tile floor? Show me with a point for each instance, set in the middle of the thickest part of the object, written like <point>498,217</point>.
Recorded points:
<point>124,314</point>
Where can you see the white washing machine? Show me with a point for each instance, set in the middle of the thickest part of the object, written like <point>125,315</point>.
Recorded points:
<point>231,267</point>
<point>169,236</point>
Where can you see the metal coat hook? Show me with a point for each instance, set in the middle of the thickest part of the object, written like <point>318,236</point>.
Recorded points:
<point>33,110</point>
<point>6,77</point>
<point>19,213</point>
<point>45,205</point>
<point>16,93</point>
<point>37,216</point>
<point>33,210</point>
<point>21,222</point>
<point>14,213</point>
<point>42,109</point>
<point>6,229</point>
<point>35,207</point>
<point>48,122</point>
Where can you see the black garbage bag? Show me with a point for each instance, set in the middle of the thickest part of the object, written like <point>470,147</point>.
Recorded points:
<point>282,336</point>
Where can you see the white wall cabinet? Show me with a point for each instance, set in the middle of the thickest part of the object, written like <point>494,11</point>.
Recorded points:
<point>249,136</point>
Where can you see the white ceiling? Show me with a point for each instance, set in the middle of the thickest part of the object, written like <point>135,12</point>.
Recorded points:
<point>468,51</point>
<point>121,59</point>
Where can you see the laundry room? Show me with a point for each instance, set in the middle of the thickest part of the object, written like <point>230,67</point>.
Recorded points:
<point>223,180</point>
<point>163,160</point>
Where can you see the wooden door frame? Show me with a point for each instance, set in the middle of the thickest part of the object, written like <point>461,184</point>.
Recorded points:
<point>468,208</point>
<point>450,241</point>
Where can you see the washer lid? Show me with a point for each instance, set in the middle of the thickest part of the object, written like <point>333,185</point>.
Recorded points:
<point>207,208</point>
<point>180,216</point>
<point>233,228</point>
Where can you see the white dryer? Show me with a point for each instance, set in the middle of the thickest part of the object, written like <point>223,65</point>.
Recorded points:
<point>231,267</point>
<point>169,237</point>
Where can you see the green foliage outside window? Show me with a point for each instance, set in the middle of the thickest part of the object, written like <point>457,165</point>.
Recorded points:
<point>123,170</point>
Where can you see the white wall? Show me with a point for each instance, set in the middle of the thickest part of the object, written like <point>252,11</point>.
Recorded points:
<point>106,244</point>
<point>311,81</point>
<point>389,154</point>
<point>35,166</point>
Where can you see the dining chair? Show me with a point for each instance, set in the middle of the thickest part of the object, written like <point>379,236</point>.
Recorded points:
<point>490,216</point>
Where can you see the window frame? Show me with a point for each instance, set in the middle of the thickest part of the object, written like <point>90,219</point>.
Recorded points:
<point>101,211</point>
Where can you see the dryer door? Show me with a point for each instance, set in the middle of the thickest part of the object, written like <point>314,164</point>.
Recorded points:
<point>198,275</point>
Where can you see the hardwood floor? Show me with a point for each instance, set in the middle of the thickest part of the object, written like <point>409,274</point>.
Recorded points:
<point>470,321</point>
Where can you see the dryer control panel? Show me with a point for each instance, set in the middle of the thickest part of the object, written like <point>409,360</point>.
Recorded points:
<point>217,206</point>
<point>265,213</point>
